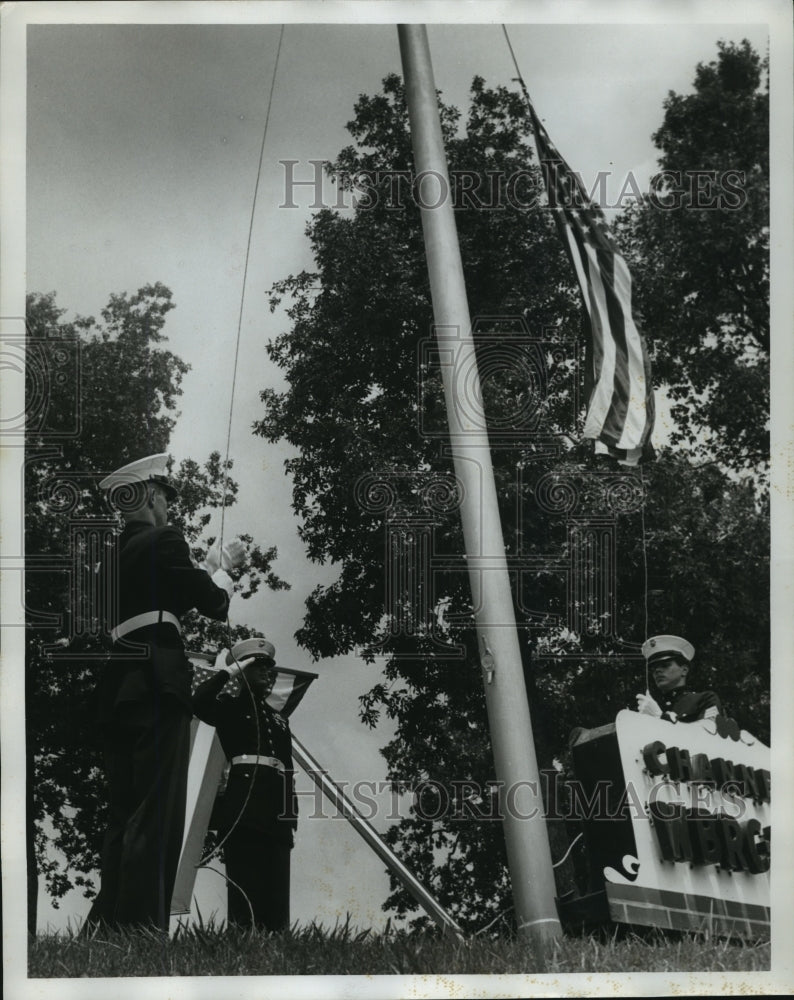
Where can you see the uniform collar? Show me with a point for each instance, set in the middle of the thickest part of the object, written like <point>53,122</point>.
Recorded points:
<point>675,694</point>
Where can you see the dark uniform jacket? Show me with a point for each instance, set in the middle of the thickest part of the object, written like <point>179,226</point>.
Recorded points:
<point>155,573</point>
<point>689,706</point>
<point>271,806</point>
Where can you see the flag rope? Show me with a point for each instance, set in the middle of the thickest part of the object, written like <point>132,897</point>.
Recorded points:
<point>203,862</point>
<point>245,279</point>
<point>645,569</point>
<point>243,893</point>
<point>520,78</point>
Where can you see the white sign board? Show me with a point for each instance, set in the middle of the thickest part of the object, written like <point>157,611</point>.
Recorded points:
<point>700,812</point>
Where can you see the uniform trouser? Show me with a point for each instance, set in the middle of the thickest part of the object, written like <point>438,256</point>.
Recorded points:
<point>146,758</point>
<point>259,875</point>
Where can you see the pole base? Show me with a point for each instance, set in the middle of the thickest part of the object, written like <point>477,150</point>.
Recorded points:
<point>581,914</point>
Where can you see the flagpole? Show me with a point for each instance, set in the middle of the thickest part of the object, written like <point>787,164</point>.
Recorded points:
<point>528,853</point>
<point>365,829</point>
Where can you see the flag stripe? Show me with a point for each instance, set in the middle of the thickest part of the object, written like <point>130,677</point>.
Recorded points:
<point>279,695</point>
<point>616,418</point>
<point>603,360</point>
<point>620,408</point>
<point>637,402</point>
<point>606,359</point>
<point>288,690</point>
<point>604,373</point>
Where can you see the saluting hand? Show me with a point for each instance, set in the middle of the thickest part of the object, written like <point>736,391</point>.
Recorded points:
<point>232,669</point>
<point>647,706</point>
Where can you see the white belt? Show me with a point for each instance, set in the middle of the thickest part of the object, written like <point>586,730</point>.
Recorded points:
<point>141,621</point>
<point>253,759</point>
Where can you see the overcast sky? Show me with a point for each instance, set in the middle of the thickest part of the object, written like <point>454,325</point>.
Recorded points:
<point>142,149</point>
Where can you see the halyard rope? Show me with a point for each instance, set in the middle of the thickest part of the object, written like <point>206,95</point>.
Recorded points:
<point>243,680</point>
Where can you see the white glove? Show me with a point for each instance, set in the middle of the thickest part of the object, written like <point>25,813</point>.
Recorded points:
<point>212,561</point>
<point>234,555</point>
<point>220,662</point>
<point>232,669</point>
<point>647,706</point>
<point>238,666</point>
<point>230,557</point>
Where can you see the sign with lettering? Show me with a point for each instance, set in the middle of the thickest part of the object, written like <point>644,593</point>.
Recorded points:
<point>698,798</point>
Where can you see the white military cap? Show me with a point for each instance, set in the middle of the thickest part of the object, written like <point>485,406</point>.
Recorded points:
<point>151,469</point>
<point>251,647</point>
<point>663,646</point>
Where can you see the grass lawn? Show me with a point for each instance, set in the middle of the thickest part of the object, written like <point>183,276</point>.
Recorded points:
<point>343,950</point>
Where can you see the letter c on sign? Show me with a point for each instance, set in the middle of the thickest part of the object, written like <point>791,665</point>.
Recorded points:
<point>651,754</point>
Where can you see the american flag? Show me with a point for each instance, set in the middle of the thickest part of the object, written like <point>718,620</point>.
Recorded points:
<point>620,408</point>
<point>289,688</point>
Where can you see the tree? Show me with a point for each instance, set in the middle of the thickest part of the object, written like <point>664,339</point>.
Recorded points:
<point>374,489</point>
<point>698,248</point>
<point>99,395</point>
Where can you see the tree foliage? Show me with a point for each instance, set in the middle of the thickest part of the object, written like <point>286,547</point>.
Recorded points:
<point>117,402</point>
<point>699,253</point>
<point>372,484</point>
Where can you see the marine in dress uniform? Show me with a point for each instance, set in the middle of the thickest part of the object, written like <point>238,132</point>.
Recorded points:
<point>668,658</point>
<point>143,699</point>
<point>258,811</point>
<point>610,838</point>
